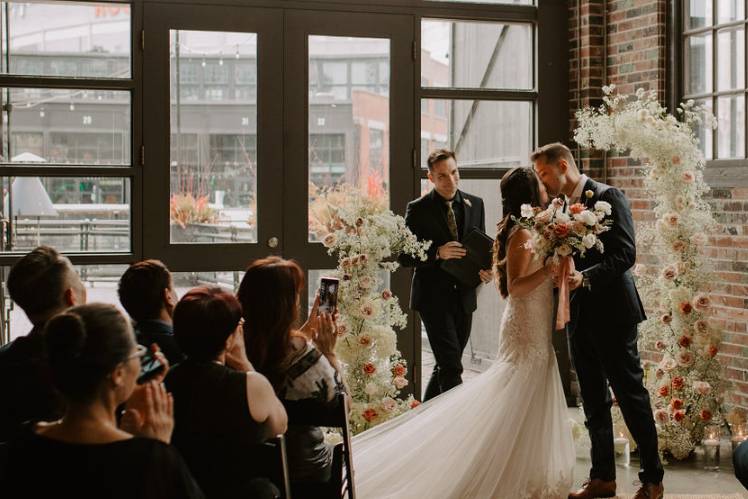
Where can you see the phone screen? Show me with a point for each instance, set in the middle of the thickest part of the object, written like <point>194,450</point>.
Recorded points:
<point>150,366</point>
<point>328,294</point>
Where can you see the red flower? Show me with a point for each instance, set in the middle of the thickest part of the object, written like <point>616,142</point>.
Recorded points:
<point>679,415</point>
<point>666,318</point>
<point>664,391</point>
<point>686,308</point>
<point>414,404</point>
<point>369,368</point>
<point>676,404</point>
<point>684,341</point>
<point>369,415</point>
<point>678,382</point>
<point>364,340</point>
<point>561,230</point>
<point>576,208</point>
<point>705,414</point>
<point>712,350</point>
<point>399,370</point>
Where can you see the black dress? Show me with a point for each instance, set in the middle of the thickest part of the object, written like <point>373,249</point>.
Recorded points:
<point>40,467</point>
<point>214,430</point>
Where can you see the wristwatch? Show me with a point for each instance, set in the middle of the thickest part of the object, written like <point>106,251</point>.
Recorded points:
<point>586,282</point>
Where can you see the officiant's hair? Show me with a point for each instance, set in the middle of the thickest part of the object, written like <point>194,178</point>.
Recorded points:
<point>552,153</point>
<point>518,186</point>
<point>439,155</point>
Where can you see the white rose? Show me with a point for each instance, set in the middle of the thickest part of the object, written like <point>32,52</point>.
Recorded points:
<point>563,217</point>
<point>526,211</point>
<point>642,114</point>
<point>589,240</point>
<point>604,207</point>
<point>329,240</point>
<point>587,217</point>
<point>564,250</point>
<point>371,389</point>
<point>389,404</point>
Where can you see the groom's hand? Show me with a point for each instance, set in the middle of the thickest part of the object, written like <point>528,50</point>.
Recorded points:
<point>486,276</point>
<point>452,249</point>
<point>575,280</point>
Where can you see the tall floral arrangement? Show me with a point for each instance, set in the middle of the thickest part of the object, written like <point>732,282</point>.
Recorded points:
<point>687,385</point>
<point>366,237</point>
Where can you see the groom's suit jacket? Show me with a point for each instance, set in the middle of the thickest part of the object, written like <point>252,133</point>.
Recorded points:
<point>612,297</point>
<point>432,288</point>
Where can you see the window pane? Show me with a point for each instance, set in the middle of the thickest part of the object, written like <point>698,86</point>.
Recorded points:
<point>731,127</point>
<point>228,280</point>
<point>699,61</point>
<point>699,13</point>
<point>213,149</point>
<point>101,286</point>
<point>83,127</point>
<point>349,119</point>
<point>484,134</point>
<point>730,59</point>
<point>69,39</point>
<point>476,54</point>
<point>730,10</point>
<point>497,2</point>
<point>704,133</point>
<point>83,214</point>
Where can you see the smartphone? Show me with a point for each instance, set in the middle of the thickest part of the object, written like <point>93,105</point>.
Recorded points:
<point>150,367</point>
<point>328,294</point>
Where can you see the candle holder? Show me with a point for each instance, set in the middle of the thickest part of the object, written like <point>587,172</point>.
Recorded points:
<point>622,450</point>
<point>739,434</point>
<point>710,444</point>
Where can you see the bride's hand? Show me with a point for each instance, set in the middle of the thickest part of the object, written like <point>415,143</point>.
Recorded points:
<point>551,269</point>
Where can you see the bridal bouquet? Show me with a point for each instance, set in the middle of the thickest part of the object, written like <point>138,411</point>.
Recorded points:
<point>559,235</point>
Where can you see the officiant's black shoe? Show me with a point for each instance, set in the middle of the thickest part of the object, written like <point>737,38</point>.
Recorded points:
<point>594,488</point>
<point>650,491</point>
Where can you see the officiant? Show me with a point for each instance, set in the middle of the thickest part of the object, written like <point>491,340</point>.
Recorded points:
<point>444,216</point>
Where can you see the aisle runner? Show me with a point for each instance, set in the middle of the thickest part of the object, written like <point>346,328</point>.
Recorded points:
<point>685,496</point>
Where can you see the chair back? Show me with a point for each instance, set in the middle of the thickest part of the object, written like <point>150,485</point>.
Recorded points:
<point>276,464</point>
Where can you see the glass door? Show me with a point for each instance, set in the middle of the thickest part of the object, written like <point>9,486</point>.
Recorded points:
<point>347,76</point>
<point>213,153</point>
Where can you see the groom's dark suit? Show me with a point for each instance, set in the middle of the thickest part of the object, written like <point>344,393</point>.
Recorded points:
<point>446,308</point>
<point>603,333</point>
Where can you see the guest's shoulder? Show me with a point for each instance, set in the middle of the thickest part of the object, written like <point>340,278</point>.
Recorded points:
<point>421,201</point>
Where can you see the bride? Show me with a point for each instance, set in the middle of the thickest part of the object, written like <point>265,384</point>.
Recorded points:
<point>505,434</point>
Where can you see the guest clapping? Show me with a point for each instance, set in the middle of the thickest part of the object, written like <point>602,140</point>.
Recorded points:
<point>223,408</point>
<point>298,368</point>
<point>95,362</point>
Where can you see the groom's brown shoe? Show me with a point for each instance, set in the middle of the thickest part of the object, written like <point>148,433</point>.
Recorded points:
<point>595,488</point>
<point>650,491</point>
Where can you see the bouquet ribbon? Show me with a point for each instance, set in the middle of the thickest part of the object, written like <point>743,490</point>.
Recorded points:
<point>563,315</point>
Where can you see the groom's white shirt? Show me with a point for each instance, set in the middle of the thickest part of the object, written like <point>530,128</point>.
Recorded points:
<point>577,194</point>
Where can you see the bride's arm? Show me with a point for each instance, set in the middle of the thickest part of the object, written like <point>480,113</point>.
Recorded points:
<point>517,264</point>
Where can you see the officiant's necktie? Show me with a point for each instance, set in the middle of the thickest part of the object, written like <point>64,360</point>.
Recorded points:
<point>451,220</point>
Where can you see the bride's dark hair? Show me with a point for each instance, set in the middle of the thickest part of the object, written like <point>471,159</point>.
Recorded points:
<point>518,186</point>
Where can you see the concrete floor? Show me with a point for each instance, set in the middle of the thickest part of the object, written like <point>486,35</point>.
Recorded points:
<point>681,477</point>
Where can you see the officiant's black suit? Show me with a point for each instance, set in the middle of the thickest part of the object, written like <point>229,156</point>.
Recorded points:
<point>446,307</point>
<point>603,333</point>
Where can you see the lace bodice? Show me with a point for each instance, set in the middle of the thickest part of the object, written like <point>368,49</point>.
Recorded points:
<point>526,326</point>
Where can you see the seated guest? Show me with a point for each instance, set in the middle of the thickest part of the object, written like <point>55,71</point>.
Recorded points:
<point>740,463</point>
<point>298,369</point>
<point>224,409</point>
<point>42,283</point>
<point>147,292</point>
<point>95,362</point>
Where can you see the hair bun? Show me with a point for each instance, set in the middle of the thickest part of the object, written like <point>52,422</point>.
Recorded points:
<point>65,337</point>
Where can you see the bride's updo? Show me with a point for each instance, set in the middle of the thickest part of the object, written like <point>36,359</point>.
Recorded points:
<point>518,186</point>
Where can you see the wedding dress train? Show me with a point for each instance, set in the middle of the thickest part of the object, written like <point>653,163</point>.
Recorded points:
<point>504,434</point>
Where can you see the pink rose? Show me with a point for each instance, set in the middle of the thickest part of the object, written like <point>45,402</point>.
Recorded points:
<point>669,273</point>
<point>685,358</point>
<point>702,387</point>
<point>679,416</point>
<point>389,404</point>
<point>400,382</point>
<point>386,294</point>
<point>676,404</point>
<point>701,302</point>
<point>659,373</point>
<point>399,370</point>
<point>661,416</point>
<point>701,326</point>
<point>664,391</point>
<point>684,341</point>
<point>660,345</point>
<point>666,318</point>
<point>561,230</point>
<point>364,340</point>
<point>679,245</point>
<point>677,382</point>
<point>672,219</point>
<point>688,177</point>
<point>675,160</point>
<point>705,415</point>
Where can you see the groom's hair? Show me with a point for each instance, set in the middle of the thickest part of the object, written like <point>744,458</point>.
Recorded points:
<point>552,153</point>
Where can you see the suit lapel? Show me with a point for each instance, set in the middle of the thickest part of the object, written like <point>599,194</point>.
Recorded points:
<point>590,185</point>
<point>465,215</point>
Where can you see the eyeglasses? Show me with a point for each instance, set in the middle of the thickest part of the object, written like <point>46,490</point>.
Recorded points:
<point>140,351</point>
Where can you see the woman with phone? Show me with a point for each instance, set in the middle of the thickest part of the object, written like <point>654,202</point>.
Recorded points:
<point>94,363</point>
<point>299,362</point>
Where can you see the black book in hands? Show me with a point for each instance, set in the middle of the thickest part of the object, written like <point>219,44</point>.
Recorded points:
<point>479,247</point>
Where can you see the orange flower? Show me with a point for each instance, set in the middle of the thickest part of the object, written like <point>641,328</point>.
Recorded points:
<point>711,350</point>
<point>369,368</point>
<point>664,391</point>
<point>364,340</point>
<point>679,415</point>
<point>369,415</point>
<point>576,208</point>
<point>414,403</point>
<point>686,308</point>
<point>561,230</point>
<point>676,404</point>
<point>678,382</point>
<point>705,414</point>
<point>399,370</point>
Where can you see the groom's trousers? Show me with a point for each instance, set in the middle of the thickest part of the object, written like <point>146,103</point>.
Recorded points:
<point>608,353</point>
<point>448,330</point>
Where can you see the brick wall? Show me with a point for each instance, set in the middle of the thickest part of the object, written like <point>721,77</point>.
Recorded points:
<point>624,42</point>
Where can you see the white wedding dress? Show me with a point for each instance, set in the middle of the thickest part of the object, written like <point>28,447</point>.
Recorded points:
<point>504,434</point>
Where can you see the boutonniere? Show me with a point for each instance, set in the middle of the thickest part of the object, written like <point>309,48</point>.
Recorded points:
<point>468,202</point>
<point>589,194</point>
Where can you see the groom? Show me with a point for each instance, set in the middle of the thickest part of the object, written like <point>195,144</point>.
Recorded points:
<point>605,312</point>
<point>444,216</point>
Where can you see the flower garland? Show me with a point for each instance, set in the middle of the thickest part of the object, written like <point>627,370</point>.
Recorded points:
<point>367,237</point>
<point>687,386</point>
